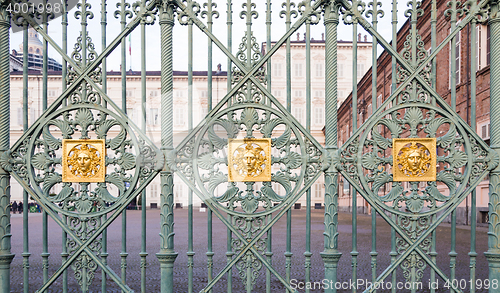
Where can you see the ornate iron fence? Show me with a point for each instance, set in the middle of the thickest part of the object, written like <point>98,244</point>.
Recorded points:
<point>248,142</point>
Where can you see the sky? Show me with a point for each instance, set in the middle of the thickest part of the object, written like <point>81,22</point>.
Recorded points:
<point>200,40</point>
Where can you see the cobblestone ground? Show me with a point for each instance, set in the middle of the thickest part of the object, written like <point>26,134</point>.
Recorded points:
<point>220,234</point>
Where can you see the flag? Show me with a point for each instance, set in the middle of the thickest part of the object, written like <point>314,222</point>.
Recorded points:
<point>130,44</point>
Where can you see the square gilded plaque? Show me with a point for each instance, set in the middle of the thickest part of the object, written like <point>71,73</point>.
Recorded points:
<point>83,160</point>
<point>249,160</point>
<point>414,159</point>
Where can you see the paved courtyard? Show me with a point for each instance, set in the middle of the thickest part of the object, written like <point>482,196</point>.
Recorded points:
<point>200,246</point>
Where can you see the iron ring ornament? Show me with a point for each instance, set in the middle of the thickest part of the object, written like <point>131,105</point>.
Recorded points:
<point>269,140</point>
<point>370,159</point>
<point>47,160</point>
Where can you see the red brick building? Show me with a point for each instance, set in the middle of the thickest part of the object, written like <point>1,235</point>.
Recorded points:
<point>463,91</point>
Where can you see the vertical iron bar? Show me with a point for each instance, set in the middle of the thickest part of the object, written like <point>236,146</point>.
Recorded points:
<point>45,236</point>
<point>64,23</point>
<point>143,254</point>
<point>167,254</point>
<point>473,69</point>
<point>5,244</point>
<point>288,61</point>
<point>269,251</point>
<point>104,249</point>
<point>354,252</point>
<point>308,253</point>
<point>433,252</point>
<point>493,254</point>
<point>434,64</point>
<point>123,67</point>
<point>453,57</point>
<point>394,22</point>
<point>210,253</point>
<point>374,13</point>
<point>288,252</point>
<point>331,254</point>
<point>190,252</point>
<point>26,254</point>
<point>453,87</point>
<point>414,62</point>
<point>229,23</point>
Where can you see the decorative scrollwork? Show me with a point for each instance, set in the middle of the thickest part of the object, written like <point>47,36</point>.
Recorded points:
<point>249,227</point>
<point>192,10</point>
<point>415,9</point>
<point>296,159</point>
<point>305,8</point>
<point>455,10</point>
<point>413,227</point>
<point>375,11</point>
<point>148,17</point>
<point>480,13</point>
<point>461,159</point>
<point>84,229</point>
<point>355,11</point>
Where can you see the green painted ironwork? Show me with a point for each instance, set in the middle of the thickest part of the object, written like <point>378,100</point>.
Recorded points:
<point>249,210</point>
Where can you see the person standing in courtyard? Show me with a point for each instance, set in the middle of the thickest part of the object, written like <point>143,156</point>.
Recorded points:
<point>20,207</point>
<point>14,207</point>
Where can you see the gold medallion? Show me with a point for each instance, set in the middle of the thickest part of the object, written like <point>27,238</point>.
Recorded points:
<point>249,160</point>
<point>414,159</point>
<point>83,160</point>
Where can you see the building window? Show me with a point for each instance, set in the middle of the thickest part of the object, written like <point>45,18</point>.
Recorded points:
<point>360,70</point>
<point>131,114</point>
<point>297,69</point>
<point>179,116</point>
<point>204,94</point>
<point>484,130</point>
<point>340,70</point>
<point>298,94</point>
<point>457,59</point>
<point>298,113</point>
<point>153,93</point>
<point>319,94</point>
<point>179,94</point>
<point>345,186</point>
<point>20,116</point>
<point>319,115</point>
<point>154,190</point>
<point>341,95</point>
<point>128,93</point>
<point>318,191</point>
<point>204,112</point>
<point>153,116</point>
<point>320,70</point>
<point>51,93</point>
<point>177,190</point>
<point>277,69</point>
<point>277,93</point>
<point>488,41</point>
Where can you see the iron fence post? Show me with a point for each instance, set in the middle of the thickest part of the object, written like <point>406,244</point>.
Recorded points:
<point>167,255</point>
<point>5,254</point>
<point>493,254</point>
<point>331,254</point>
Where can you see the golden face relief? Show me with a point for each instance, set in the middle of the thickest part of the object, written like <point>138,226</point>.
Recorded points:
<point>414,159</point>
<point>249,160</point>
<point>83,161</point>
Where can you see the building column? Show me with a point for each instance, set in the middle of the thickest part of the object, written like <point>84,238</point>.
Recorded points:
<point>167,254</point>
<point>5,254</point>
<point>493,254</point>
<point>331,254</point>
